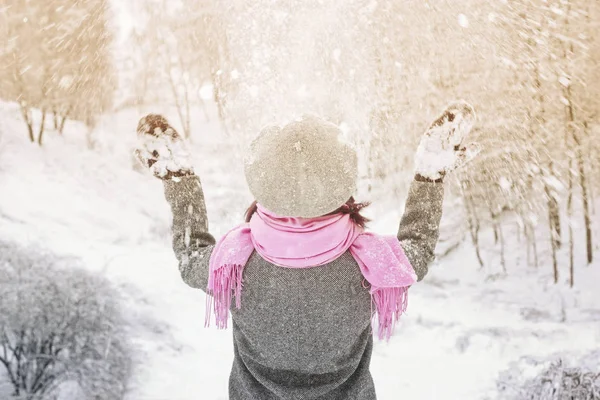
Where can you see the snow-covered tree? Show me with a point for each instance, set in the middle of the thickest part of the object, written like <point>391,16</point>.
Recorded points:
<point>56,56</point>
<point>60,328</point>
<point>178,48</point>
<point>540,150</point>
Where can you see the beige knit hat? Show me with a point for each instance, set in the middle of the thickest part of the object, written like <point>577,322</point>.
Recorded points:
<point>303,169</point>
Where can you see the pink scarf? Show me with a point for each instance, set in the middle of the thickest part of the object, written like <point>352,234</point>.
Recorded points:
<point>305,243</point>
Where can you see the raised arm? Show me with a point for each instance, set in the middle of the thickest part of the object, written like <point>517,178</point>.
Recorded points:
<point>441,151</point>
<point>164,153</point>
<point>419,227</point>
<point>192,243</point>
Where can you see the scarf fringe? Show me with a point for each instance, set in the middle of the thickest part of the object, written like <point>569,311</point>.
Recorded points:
<point>390,304</point>
<point>225,280</point>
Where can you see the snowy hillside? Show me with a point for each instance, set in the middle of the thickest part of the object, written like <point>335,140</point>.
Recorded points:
<point>464,326</point>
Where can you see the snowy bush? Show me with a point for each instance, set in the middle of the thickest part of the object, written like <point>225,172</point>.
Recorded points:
<point>551,380</point>
<point>60,329</point>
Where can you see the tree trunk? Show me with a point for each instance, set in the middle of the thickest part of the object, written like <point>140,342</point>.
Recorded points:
<point>553,248</point>
<point>528,246</point>
<point>531,244</point>
<point>187,128</point>
<point>554,214</point>
<point>570,225</point>
<point>61,127</point>
<point>495,231</point>
<point>571,258</point>
<point>535,252</point>
<point>557,224</point>
<point>473,222</point>
<point>590,189</point>
<point>475,238</point>
<point>472,219</point>
<point>63,119</point>
<point>218,98</point>
<point>42,124</point>
<point>584,196</point>
<point>554,232</point>
<point>25,112</point>
<point>56,120</point>
<point>502,258</point>
<point>570,128</point>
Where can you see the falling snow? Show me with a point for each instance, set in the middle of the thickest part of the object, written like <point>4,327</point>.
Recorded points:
<point>520,229</point>
<point>463,20</point>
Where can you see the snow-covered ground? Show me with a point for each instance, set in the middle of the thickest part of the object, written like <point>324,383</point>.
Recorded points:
<point>464,326</point>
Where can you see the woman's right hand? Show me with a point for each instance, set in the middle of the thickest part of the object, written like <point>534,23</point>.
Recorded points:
<point>161,149</point>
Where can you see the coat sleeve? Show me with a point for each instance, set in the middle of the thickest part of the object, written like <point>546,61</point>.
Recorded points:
<point>419,227</point>
<point>192,243</point>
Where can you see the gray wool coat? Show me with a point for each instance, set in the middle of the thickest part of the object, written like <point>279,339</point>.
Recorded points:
<point>301,334</point>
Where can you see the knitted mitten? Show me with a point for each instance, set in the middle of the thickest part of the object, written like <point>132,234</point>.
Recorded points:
<point>441,149</point>
<point>161,149</point>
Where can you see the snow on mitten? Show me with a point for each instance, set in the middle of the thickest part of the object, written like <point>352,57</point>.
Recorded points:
<point>161,149</point>
<point>441,149</point>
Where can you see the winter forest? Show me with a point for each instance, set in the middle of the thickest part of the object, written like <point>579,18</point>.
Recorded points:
<point>92,305</point>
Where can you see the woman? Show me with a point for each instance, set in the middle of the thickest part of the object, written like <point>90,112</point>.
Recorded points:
<point>301,278</point>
